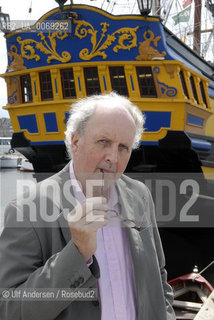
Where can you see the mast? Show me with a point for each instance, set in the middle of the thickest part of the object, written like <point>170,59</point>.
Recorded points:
<point>197,27</point>
<point>156,8</point>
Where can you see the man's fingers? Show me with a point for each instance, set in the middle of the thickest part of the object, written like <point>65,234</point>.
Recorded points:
<point>96,215</point>
<point>96,203</point>
<point>96,207</point>
<point>87,209</point>
<point>97,200</point>
<point>95,225</point>
<point>84,221</point>
<point>89,226</point>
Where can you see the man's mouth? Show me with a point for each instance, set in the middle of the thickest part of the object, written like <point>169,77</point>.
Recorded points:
<point>102,170</point>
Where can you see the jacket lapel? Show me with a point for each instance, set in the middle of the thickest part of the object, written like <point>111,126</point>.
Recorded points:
<point>129,209</point>
<point>68,201</point>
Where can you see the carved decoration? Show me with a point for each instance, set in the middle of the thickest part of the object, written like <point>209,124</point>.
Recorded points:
<point>124,39</point>
<point>170,69</point>
<point>164,88</point>
<point>13,97</point>
<point>146,50</point>
<point>17,62</point>
<point>12,89</point>
<point>49,48</point>
<point>127,39</point>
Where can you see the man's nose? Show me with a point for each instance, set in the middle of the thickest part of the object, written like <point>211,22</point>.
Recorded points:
<point>112,155</point>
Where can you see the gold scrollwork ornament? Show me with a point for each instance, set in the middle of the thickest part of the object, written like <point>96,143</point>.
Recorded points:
<point>84,28</point>
<point>28,50</point>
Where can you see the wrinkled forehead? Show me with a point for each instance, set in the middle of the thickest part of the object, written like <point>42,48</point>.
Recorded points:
<point>111,112</point>
<point>112,121</point>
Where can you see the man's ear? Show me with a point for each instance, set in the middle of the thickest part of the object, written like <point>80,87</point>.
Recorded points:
<point>74,142</point>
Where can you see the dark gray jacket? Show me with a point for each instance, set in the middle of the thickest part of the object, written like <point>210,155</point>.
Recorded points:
<point>37,252</point>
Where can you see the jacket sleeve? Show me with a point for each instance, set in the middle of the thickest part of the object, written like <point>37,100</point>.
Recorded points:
<point>22,266</point>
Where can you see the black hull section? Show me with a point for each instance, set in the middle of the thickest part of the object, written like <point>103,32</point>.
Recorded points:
<point>188,247</point>
<point>174,153</point>
<point>45,159</point>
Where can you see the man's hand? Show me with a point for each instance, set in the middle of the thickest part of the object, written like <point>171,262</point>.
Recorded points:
<point>84,221</point>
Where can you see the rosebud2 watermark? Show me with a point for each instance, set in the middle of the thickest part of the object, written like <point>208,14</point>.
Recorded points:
<point>48,294</point>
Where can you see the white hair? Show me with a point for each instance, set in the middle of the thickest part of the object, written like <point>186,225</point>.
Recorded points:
<point>82,110</point>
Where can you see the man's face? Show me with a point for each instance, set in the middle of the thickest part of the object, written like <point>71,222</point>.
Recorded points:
<point>105,145</point>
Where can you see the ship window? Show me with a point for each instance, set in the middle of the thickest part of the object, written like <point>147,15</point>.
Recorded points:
<point>46,85</point>
<point>26,88</point>
<point>118,80</point>
<point>92,83</point>
<point>68,85</point>
<point>203,94</point>
<point>146,82</point>
<point>194,89</point>
<point>183,82</point>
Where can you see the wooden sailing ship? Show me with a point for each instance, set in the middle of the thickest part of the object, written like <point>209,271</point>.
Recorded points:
<point>78,50</point>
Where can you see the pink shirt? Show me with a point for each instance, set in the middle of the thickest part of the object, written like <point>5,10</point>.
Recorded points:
<point>116,284</point>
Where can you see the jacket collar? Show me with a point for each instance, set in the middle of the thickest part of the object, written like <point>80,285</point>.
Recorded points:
<point>68,201</point>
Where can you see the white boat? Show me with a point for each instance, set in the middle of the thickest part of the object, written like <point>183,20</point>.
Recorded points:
<point>8,162</point>
<point>191,292</point>
<point>5,145</point>
<point>26,166</point>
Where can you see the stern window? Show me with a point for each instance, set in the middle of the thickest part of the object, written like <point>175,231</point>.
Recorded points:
<point>146,82</point>
<point>46,85</point>
<point>203,94</point>
<point>92,83</point>
<point>194,92</point>
<point>68,84</point>
<point>26,88</point>
<point>118,80</point>
<point>183,82</point>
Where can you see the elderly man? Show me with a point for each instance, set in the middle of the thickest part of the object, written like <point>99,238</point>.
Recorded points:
<point>88,226</point>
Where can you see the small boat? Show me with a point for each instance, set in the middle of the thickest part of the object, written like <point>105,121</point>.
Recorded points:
<point>26,166</point>
<point>8,162</point>
<point>190,293</point>
<point>5,145</point>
